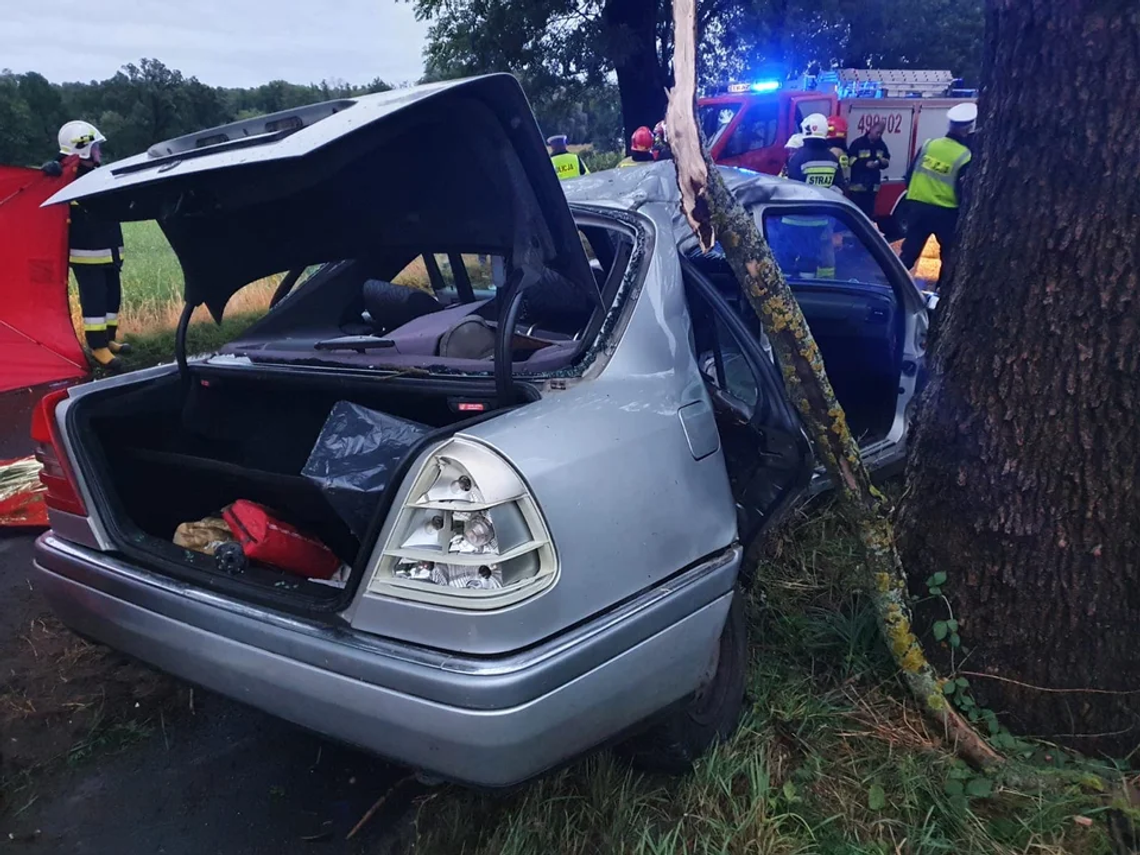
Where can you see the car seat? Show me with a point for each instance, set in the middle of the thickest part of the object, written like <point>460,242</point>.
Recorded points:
<point>391,306</point>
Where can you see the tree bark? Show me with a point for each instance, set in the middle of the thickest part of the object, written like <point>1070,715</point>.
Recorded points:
<point>630,28</point>
<point>715,215</point>
<point>1022,485</point>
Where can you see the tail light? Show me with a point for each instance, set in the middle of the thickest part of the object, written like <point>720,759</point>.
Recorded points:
<point>469,536</point>
<point>62,492</point>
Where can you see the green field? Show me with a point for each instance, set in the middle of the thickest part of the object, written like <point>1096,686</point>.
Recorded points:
<point>152,286</point>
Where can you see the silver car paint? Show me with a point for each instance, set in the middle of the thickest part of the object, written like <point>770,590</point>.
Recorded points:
<point>616,534</point>
<point>488,722</point>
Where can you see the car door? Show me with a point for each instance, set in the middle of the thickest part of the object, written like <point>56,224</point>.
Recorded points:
<point>767,456</point>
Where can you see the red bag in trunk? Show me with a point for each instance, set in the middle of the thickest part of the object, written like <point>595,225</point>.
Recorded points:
<point>268,540</point>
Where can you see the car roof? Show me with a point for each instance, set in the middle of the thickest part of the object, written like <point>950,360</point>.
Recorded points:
<point>633,186</point>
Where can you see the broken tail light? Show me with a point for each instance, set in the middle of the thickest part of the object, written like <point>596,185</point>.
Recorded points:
<point>469,535</point>
<point>57,477</point>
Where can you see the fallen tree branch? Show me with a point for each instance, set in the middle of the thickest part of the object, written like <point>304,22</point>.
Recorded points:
<point>715,215</point>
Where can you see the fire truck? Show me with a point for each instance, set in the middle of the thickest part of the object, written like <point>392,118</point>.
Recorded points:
<point>747,124</point>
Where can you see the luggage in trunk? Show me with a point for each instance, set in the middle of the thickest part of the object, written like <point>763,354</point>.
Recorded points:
<point>163,453</point>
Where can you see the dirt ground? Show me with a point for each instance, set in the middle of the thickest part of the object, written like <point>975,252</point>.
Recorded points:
<point>101,754</point>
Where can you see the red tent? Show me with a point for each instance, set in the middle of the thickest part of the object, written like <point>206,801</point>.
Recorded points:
<point>37,340</point>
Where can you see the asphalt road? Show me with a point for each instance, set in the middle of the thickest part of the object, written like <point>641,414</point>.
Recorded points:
<point>221,779</point>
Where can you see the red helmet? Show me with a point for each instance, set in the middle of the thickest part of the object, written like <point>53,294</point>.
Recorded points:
<point>642,139</point>
<point>836,127</point>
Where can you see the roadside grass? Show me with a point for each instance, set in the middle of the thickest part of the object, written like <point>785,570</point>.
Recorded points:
<point>152,296</point>
<point>830,757</point>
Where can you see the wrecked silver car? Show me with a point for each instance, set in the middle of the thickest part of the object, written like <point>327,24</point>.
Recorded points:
<point>537,470</point>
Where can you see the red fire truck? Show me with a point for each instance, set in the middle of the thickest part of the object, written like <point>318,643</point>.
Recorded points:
<point>747,124</point>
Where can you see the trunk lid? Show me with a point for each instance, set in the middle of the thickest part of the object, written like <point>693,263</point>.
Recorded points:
<point>459,164</point>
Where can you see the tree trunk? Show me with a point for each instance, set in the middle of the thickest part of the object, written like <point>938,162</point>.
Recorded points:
<point>630,28</point>
<point>1022,485</point>
<point>715,215</point>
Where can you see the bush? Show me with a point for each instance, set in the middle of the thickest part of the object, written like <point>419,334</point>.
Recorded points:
<point>597,161</point>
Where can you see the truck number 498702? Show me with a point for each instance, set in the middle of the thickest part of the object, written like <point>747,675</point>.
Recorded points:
<point>892,121</point>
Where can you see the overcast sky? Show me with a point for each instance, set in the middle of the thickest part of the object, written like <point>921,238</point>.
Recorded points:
<point>221,42</point>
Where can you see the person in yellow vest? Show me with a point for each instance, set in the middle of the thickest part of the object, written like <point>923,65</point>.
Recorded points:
<point>934,187</point>
<point>640,147</point>
<point>566,163</point>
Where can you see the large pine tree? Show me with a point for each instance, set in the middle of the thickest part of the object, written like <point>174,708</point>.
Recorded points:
<point>1022,485</point>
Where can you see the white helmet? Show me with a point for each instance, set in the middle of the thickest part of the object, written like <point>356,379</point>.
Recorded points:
<point>794,141</point>
<point>78,137</point>
<point>815,127</point>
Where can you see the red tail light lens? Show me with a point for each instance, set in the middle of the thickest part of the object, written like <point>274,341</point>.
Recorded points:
<point>62,493</point>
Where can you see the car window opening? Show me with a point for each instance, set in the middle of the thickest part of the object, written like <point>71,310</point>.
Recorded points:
<point>848,302</point>
<point>438,308</point>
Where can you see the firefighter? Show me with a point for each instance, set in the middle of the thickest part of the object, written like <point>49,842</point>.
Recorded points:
<point>869,156</point>
<point>640,147</point>
<point>661,149</point>
<point>837,137</point>
<point>934,187</point>
<point>95,250</point>
<point>815,163</point>
<point>566,163</point>
<point>795,143</point>
<point>803,244</point>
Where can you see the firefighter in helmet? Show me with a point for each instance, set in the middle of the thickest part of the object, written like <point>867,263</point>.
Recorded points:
<point>837,138</point>
<point>802,243</point>
<point>640,147</point>
<point>661,148</point>
<point>795,143</point>
<point>566,163</point>
<point>814,163</point>
<point>934,187</point>
<point>95,249</point>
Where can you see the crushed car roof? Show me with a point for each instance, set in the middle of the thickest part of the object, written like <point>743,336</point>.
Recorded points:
<point>634,186</point>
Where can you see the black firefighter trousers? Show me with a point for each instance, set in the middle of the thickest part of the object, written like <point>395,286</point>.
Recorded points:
<point>100,293</point>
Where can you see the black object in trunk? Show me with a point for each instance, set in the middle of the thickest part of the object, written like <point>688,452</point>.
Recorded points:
<point>355,458</point>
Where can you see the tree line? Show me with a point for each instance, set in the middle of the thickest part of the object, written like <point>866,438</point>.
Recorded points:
<point>572,47</point>
<point>140,105</point>
<point>593,69</point>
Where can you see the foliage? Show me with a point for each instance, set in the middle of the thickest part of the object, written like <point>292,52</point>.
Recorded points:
<point>565,46</point>
<point>829,757</point>
<point>141,105</point>
<point>598,161</point>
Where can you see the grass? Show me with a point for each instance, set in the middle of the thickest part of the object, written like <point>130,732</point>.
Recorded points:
<point>152,300</point>
<point>830,757</point>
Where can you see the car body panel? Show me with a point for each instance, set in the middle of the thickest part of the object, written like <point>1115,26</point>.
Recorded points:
<point>622,417</point>
<point>498,722</point>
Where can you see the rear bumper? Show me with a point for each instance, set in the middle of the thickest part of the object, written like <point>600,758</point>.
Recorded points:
<point>488,721</point>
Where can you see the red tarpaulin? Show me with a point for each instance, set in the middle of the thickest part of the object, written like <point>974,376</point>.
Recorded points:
<point>37,340</point>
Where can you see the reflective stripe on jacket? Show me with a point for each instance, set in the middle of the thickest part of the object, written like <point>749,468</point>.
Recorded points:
<point>936,171</point>
<point>814,164</point>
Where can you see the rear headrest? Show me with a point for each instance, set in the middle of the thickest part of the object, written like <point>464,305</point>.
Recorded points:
<point>391,306</point>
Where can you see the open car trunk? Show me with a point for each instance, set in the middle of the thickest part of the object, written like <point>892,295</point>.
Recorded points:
<point>163,453</point>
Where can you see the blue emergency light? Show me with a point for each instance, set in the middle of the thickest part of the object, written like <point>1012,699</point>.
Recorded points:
<point>760,87</point>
